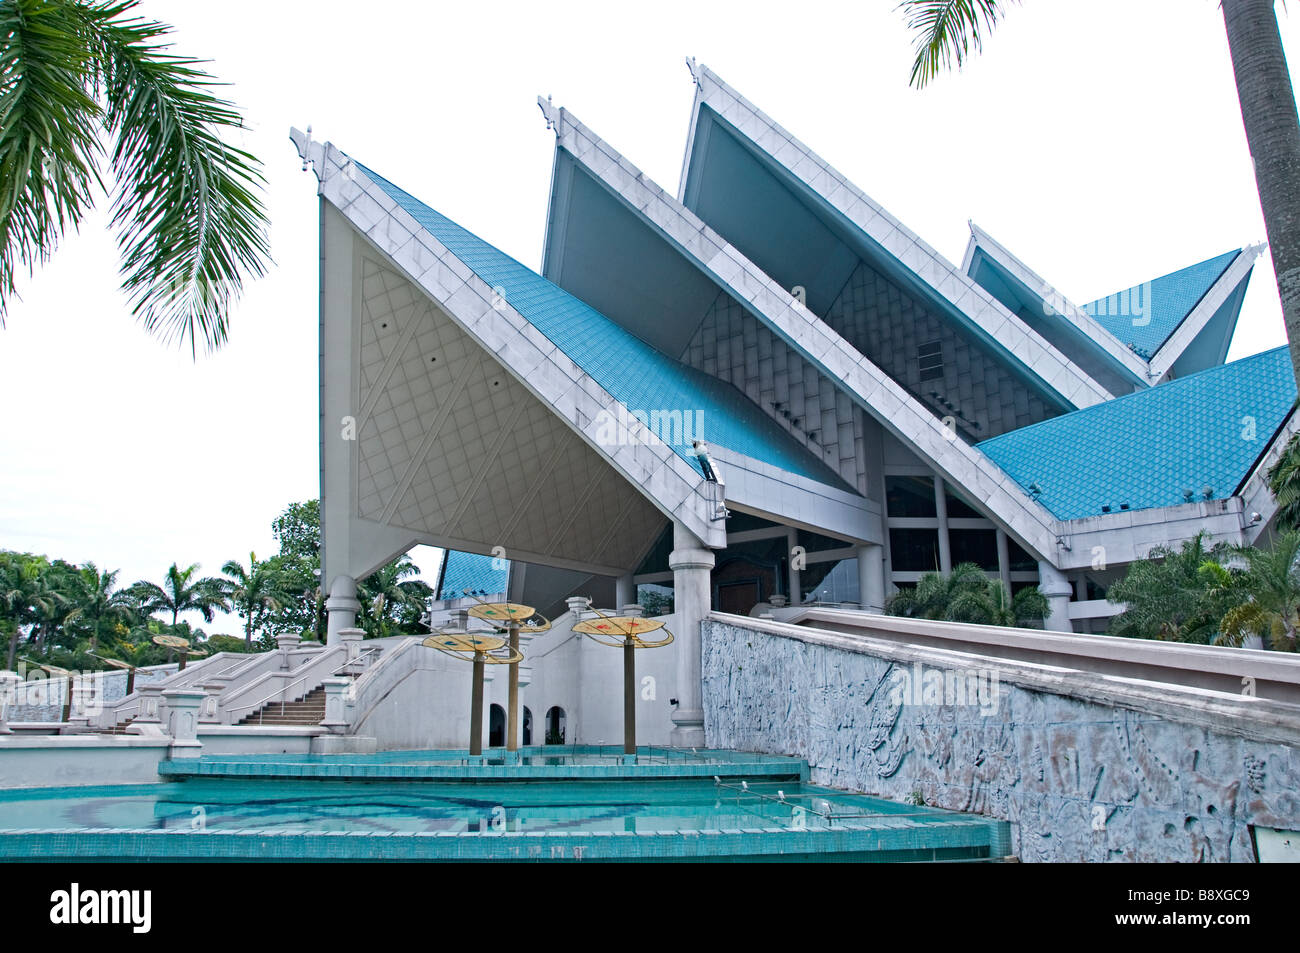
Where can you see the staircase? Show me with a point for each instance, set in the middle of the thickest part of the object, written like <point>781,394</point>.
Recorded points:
<point>118,729</point>
<point>307,711</point>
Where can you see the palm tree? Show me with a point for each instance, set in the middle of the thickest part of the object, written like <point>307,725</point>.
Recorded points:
<point>946,32</point>
<point>96,600</point>
<point>76,75</point>
<point>1284,481</point>
<point>967,594</point>
<point>254,591</point>
<point>181,592</point>
<point>1173,594</point>
<point>30,595</point>
<point>390,597</point>
<point>1269,590</point>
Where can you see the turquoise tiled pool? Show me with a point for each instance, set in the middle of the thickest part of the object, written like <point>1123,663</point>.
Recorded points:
<point>258,807</point>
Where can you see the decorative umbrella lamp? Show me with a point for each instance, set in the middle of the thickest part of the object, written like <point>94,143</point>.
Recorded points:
<point>118,663</point>
<point>483,649</point>
<point>174,643</point>
<point>509,618</point>
<point>627,632</point>
<point>55,672</point>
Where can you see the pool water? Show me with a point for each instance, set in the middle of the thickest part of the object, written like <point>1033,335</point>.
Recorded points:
<point>288,806</point>
<point>579,804</point>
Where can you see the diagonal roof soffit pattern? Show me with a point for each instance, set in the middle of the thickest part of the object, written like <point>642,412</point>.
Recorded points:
<point>528,355</point>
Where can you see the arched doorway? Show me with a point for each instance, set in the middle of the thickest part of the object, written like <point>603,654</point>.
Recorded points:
<point>496,726</point>
<point>528,726</point>
<point>555,725</point>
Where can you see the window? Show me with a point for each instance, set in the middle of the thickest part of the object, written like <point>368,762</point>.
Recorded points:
<point>914,550</point>
<point>910,496</point>
<point>929,358</point>
<point>978,546</point>
<point>959,509</point>
<point>1021,561</point>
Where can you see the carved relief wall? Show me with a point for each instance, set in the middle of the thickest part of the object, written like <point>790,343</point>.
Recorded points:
<point>1079,780</point>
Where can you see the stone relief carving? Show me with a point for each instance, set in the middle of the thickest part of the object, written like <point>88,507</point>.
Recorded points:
<point>1079,780</point>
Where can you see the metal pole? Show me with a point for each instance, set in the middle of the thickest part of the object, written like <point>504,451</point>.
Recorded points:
<point>476,708</point>
<point>67,700</point>
<point>629,696</point>
<point>512,700</point>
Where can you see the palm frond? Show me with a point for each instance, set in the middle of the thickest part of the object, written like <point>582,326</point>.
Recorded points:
<point>48,134</point>
<point>186,205</point>
<point>946,32</point>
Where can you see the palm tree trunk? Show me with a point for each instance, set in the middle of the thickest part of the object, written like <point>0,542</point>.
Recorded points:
<point>1273,132</point>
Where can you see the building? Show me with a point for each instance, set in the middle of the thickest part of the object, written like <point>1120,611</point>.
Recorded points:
<point>870,411</point>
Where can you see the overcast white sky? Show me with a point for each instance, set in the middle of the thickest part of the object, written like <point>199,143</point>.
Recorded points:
<point>1100,140</point>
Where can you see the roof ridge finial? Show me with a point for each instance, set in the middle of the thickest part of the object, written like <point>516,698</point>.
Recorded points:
<point>694,68</point>
<point>549,111</point>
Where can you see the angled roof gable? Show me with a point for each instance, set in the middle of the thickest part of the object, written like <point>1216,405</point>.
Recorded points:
<point>1144,316</point>
<point>1181,322</point>
<point>1149,448</point>
<point>642,378</point>
<point>850,210</point>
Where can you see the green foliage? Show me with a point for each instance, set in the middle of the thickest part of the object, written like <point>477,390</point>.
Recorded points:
<point>257,592</point>
<point>1264,597</point>
<point>967,594</point>
<point>1284,481</point>
<point>947,32</point>
<point>1169,595</point>
<point>183,590</point>
<point>185,205</point>
<point>392,601</point>
<point>297,530</point>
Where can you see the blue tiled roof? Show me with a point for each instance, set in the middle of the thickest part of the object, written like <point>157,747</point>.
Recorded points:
<point>1143,317</point>
<point>629,369</point>
<point>461,571</point>
<point>1145,449</point>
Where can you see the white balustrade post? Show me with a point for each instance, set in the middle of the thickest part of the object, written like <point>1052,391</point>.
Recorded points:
<point>336,693</point>
<point>181,719</point>
<point>150,711</point>
<point>9,682</point>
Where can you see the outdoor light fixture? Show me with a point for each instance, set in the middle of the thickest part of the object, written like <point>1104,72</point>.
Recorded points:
<point>706,462</point>
<point>629,634</point>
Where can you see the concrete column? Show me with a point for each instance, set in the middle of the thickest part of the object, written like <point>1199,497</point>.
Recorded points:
<point>624,590</point>
<point>336,692</point>
<point>9,682</point>
<point>871,577</point>
<point>691,564</point>
<point>791,541</point>
<point>342,607</point>
<point>1053,584</point>
<point>941,510</point>
<point>578,605</point>
<point>181,720</point>
<point>1004,560</point>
